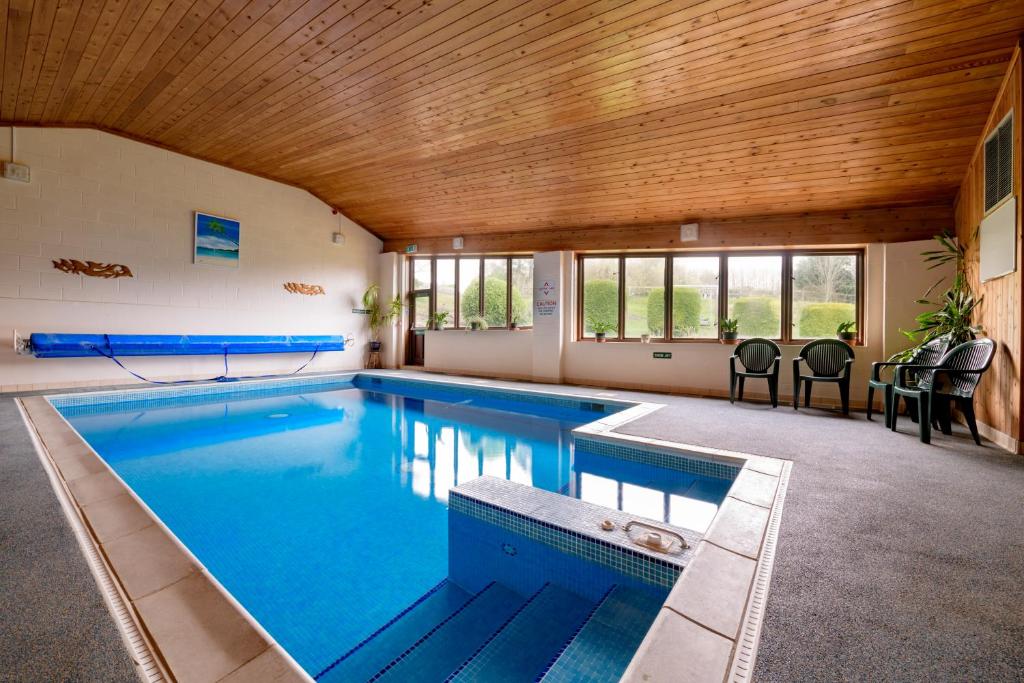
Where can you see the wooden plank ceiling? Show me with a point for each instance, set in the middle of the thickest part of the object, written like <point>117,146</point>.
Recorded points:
<point>441,117</point>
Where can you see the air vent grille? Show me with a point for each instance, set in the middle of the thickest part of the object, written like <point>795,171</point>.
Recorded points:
<point>999,164</point>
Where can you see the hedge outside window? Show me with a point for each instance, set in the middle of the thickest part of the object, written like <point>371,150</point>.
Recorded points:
<point>791,296</point>
<point>455,288</point>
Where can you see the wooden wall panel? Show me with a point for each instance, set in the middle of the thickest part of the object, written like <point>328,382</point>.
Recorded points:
<point>836,228</point>
<point>999,402</point>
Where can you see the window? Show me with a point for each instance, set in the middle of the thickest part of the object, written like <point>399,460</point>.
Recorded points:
<point>790,296</point>
<point>755,295</point>
<point>695,297</point>
<point>645,297</point>
<point>453,284</point>
<point>601,296</point>
<point>522,291</point>
<point>824,293</point>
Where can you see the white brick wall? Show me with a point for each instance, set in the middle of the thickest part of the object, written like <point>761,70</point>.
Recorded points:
<point>103,198</point>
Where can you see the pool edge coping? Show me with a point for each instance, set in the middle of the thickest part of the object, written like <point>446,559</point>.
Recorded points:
<point>39,430</point>
<point>650,655</point>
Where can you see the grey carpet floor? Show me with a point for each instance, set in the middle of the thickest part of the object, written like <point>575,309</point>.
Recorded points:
<point>54,625</point>
<point>897,561</point>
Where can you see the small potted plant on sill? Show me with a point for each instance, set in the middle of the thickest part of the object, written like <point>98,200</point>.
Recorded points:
<point>513,323</point>
<point>645,338</point>
<point>730,330</point>
<point>476,322</point>
<point>847,331</point>
<point>600,327</point>
<point>438,320</point>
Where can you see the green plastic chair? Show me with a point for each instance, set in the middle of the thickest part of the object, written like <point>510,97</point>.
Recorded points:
<point>830,360</point>
<point>952,380</point>
<point>760,359</point>
<point>926,354</point>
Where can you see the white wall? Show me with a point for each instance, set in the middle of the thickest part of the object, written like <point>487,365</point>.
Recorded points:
<point>498,353</point>
<point>894,278</point>
<point>103,198</point>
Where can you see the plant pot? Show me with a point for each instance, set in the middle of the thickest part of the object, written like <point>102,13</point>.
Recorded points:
<point>600,336</point>
<point>848,336</point>
<point>730,337</point>
<point>375,346</point>
<point>474,326</point>
<point>645,339</point>
<point>513,326</point>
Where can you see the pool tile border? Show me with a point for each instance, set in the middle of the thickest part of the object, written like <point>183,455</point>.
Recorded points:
<point>165,612</point>
<point>570,526</point>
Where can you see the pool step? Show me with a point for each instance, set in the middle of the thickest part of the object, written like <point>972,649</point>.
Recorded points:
<point>435,655</point>
<point>525,645</point>
<point>603,647</point>
<point>377,651</point>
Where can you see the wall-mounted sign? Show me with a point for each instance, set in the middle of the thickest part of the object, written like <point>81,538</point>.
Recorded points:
<point>361,311</point>
<point>662,354</point>
<point>410,249</point>
<point>545,308</point>
<point>545,298</point>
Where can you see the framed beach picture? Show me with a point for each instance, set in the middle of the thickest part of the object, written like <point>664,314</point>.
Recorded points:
<point>217,240</point>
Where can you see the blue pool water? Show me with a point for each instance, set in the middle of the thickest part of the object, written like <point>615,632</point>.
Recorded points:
<point>324,513</point>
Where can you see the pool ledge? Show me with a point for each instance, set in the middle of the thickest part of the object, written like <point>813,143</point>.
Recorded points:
<point>178,622</point>
<point>709,627</point>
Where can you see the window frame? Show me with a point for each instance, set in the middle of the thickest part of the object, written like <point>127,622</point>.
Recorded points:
<point>457,322</point>
<point>786,294</point>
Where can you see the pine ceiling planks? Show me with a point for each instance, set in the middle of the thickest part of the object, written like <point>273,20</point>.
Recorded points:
<point>420,118</point>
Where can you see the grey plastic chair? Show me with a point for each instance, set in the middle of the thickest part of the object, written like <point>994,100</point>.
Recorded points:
<point>952,380</point>
<point>926,354</point>
<point>830,360</point>
<point>760,359</point>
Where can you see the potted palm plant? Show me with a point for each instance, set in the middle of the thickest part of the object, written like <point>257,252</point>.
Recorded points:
<point>600,327</point>
<point>382,314</point>
<point>847,331</point>
<point>730,330</point>
<point>438,320</point>
<point>476,322</point>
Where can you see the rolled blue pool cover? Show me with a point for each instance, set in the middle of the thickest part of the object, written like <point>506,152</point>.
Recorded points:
<point>60,345</point>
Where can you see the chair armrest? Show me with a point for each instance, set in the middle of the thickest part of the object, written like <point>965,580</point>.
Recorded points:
<point>902,370</point>
<point>876,369</point>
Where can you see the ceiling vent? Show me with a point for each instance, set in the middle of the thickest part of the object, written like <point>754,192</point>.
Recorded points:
<point>999,163</point>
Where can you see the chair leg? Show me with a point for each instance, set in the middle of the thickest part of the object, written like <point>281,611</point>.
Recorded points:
<point>894,410</point>
<point>944,413</point>
<point>871,400</point>
<point>844,396</point>
<point>887,404</point>
<point>924,418</point>
<point>807,394</point>
<point>732,387</point>
<point>967,408</point>
<point>796,391</point>
<point>742,381</point>
<point>773,391</point>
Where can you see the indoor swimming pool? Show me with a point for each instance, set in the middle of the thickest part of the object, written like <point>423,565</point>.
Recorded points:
<point>324,510</point>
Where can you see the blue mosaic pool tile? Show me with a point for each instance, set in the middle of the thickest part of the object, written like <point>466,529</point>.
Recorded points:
<point>195,393</point>
<point>620,559</point>
<point>658,458</point>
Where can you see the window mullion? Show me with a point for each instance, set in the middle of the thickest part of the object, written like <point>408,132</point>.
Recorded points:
<point>668,303</point>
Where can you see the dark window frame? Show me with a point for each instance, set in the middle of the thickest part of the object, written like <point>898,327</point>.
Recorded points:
<point>456,322</point>
<point>786,295</point>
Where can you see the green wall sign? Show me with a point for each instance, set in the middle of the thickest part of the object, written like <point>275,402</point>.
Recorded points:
<point>662,354</point>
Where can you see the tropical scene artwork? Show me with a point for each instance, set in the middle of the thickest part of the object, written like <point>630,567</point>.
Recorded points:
<point>217,240</point>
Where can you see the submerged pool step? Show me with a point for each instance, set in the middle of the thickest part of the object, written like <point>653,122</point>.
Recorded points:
<point>602,649</point>
<point>441,651</point>
<point>526,644</point>
<point>384,646</point>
